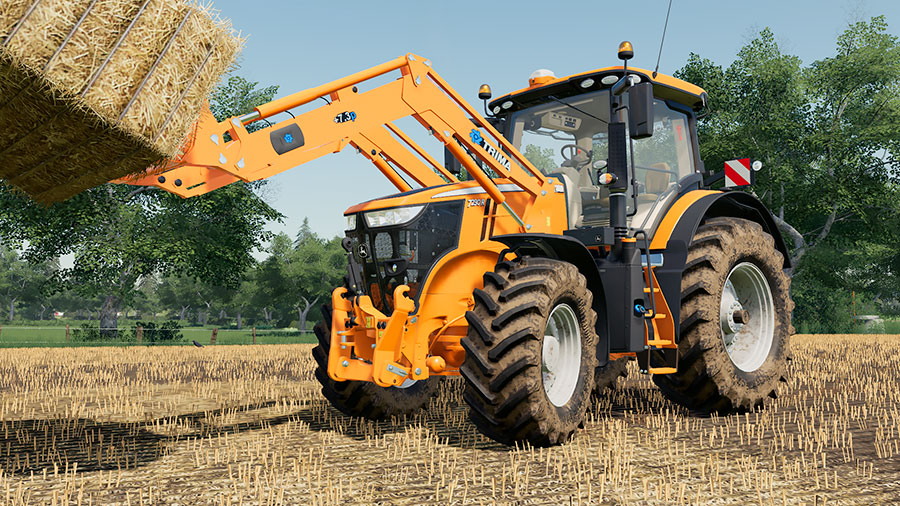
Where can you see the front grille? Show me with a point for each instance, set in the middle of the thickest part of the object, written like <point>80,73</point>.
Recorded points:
<point>403,254</point>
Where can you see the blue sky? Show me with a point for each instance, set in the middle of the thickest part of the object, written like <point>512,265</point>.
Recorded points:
<point>300,44</point>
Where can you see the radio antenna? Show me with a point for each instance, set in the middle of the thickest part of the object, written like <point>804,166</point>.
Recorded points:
<point>661,42</point>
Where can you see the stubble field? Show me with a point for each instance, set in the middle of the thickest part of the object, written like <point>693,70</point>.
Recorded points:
<point>247,425</point>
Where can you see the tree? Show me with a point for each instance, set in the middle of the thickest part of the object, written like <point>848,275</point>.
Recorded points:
<point>541,158</point>
<point>145,302</point>
<point>21,282</point>
<point>827,134</point>
<point>758,109</point>
<point>238,96</point>
<point>274,286</point>
<point>297,275</point>
<point>74,305</point>
<point>240,299</point>
<point>180,293</point>
<point>315,267</point>
<point>120,234</point>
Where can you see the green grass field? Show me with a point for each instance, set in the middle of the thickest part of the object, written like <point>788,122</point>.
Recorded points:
<point>15,336</point>
<point>52,333</point>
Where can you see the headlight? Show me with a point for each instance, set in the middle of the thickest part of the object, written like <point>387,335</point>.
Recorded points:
<point>351,222</point>
<point>395,216</point>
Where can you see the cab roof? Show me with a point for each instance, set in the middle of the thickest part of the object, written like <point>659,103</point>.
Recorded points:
<point>664,87</point>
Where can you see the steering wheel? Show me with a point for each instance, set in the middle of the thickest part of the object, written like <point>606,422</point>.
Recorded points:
<point>570,151</point>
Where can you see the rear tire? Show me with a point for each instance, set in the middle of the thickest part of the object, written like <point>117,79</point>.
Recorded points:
<point>721,365</point>
<point>362,398</point>
<point>530,352</point>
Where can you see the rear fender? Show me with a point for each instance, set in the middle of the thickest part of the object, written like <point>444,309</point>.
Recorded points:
<point>673,240</point>
<point>718,204</point>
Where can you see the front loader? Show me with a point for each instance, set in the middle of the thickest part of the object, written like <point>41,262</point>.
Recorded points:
<point>534,285</point>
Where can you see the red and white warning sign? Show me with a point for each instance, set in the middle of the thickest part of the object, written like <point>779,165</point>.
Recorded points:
<point>738,173</point>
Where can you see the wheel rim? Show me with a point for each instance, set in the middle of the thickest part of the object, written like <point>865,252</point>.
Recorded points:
<point>747,296</point>
<point>561,355</point>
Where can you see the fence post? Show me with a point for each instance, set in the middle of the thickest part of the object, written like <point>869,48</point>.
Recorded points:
<point>212,338</point>
<point>254,335</point>
<point>67,333</point>
<point>1,328</point>
<point>139,334</point>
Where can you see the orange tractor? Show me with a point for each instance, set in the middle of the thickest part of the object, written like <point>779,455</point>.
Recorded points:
<point>536,286</point>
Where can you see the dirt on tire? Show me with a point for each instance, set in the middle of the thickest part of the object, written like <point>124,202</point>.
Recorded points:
<point>707,379</point>
<point>503,365</point>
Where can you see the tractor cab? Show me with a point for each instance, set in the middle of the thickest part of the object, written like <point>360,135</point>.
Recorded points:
<point>561,125</point>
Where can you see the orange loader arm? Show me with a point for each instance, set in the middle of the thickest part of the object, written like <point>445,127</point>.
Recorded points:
<point>363,120</point>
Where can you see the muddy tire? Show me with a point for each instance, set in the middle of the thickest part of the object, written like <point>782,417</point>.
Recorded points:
<point>530,352</point>
<point>362,398</point>
<point>733,272</point>
<point>608,375</point>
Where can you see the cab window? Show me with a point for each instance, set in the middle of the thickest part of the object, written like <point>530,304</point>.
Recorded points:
<point>568,138</point>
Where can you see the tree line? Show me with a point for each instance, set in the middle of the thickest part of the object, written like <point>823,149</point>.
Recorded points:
<point>285,289</point>
<point>827,133</point>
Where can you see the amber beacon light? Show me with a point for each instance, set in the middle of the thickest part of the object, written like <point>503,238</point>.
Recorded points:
<point>626,52</point>
<point>484,92</point>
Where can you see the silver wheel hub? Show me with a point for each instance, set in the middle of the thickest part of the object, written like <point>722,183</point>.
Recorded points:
<point>561,355</point>
<point>730,326</point>
<point>747,316</point>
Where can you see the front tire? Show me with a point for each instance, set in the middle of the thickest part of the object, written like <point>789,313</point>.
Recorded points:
<point>530,352</point>
<point>362,398</point>
<point>733,272</point>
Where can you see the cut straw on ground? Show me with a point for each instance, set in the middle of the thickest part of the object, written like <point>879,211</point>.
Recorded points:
<point>248,425</point>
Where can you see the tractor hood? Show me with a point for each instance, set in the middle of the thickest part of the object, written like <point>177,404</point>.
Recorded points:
<point>441,193</point>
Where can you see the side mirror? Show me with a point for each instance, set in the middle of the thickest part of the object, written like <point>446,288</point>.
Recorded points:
<point>640,111</point>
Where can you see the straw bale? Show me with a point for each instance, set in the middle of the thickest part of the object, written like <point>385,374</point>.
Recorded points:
<point>64,89</point>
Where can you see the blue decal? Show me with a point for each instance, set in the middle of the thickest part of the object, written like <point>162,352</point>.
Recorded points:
<point>288,138</point>
<point>475,135</point>
<point>352,116</point>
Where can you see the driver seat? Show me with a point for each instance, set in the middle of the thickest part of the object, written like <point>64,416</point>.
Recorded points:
<point>655,183</point>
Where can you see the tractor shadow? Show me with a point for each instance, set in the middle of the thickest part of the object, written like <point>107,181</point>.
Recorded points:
<point>455,430</point>
<point>82,445</point>
<point>638,398</point>
<point>57,445</point>
<point>445,420</point>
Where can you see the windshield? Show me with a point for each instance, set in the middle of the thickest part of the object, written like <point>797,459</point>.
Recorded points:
<point>569,138</point>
